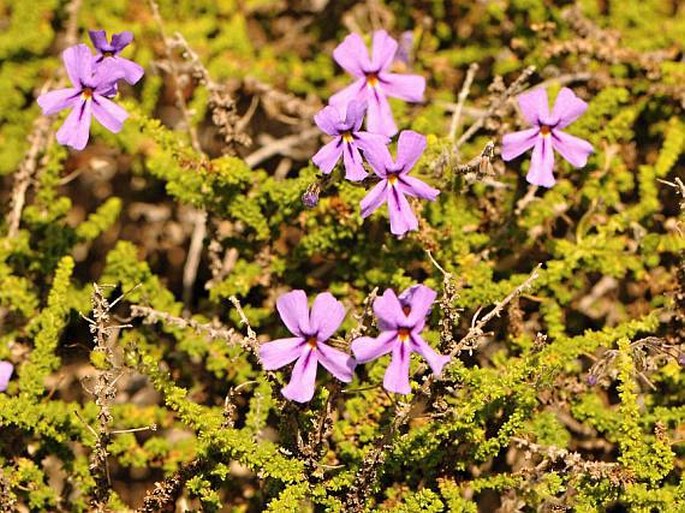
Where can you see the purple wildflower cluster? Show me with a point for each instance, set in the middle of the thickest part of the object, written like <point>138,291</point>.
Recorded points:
<point>401,320</point>
<point>94,82</point>
<point>368,96</point>
<point>6,370</point>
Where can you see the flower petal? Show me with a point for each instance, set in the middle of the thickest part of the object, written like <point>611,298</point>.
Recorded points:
<point>303,378</point>
<point>397,374</point>
<point>109,114</point>
<point>366,349</point>
<point>409,88</point>
<point>54,101</point>
<point>574,149</point>
<point>132,71</point>
<point>383,51</point>
<point>354,170</point>
<point>355,115</point>
<point>78,62</point>
<point>368,142</point>
<point>340,364</point>
<point>6,370</point>
<point>435,360</point>
<point>294,312</point>
<point>278,353</point>
<point>379,118</point>
<point>420,299</point>
<point>374,199</point>
<point>534,105</point>
<point>329,154</point>
<point>75,130</point>
<point>417,188</point>
<point>567,108</point>
<point>379,158</point>
<point>99,40</point>
<point>352,55</point>
<point>410,147</point>
<point>517,143</point>
<point>357,91</point>
<point>402,218</point>
<point>327,119</point>
<point>542,163</point>
<point>326,316</point>
<point>388,311</point>
<point>122,40</point>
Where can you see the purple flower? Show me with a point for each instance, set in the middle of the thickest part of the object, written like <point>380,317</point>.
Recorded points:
<point>6,369</point>
<point>546,134</point>
<point>348,140</point>
<point>396,183</point>
<point>109,54</point>
<point>401,321</point>
<point>86,98</point>
<point>311,330</point>
<point>374,82</point>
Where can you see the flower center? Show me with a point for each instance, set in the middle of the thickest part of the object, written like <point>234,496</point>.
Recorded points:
<point>545,130</point>
<point>372,79</point>
<point>347,137</point>
<point>403,334</point>
<point>392,179</point>
<point>311,341</point>
<point>87,93</point>
<point>108,54</point>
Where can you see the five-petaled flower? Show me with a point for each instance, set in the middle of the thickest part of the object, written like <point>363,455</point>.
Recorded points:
<point>374,81</point>
<point>6,369</point>
<point>547,135</point>
<point>396,183</point>
<point>401,321</point>
<point>345,127</point>
<point>311,330</point>
<point>87,97</point>
<point>109,54</point>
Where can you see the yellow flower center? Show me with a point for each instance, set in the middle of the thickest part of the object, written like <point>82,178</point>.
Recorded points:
<point>87,93</point>
<point>403,334</point>
<point>108,54</point>
<point>392,179</point>
<point>311,341</point>
<point>347,137</point>
<point>545,130</point>
<point>372,79</point>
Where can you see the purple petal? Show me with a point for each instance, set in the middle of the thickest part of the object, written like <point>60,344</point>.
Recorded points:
<point>6,369</point>
<point>354,170</point>
<point>368,142</point>
<point>410,146</point>
<point>294,312</point>
<point>383,51</point>
<point>379,158</point>
<point>99,39</point>
<point>397,374</point>
<point>122,40</point>
<point>109,114</point>
<point>374,199</point>
<point>75,130</point>
<point>132,71</point>
<point>78,62</point>
<point>356,91</point>
<point>574,149</point>
<point>340,364</point>
<point>567,108</point>
<point>416,188</point>
<point>327,119</point>
<point>402,218</point>
<point>54,101</point>
<point>388,311</point>
<point>517,143</point>
<point>534,105</point>
<point>542,163</point>
<point>352,55</point>
<point>303,378</point>
<point>326,316</point>
<point>434,359</point>
<point>379,117</point>
<point>404,47</point>
<point>420,299</point>
<point>278,353</point>
<point>329,154</point>
<point>355,115</point>
<point>366,349</point>
<point>409,88</point>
